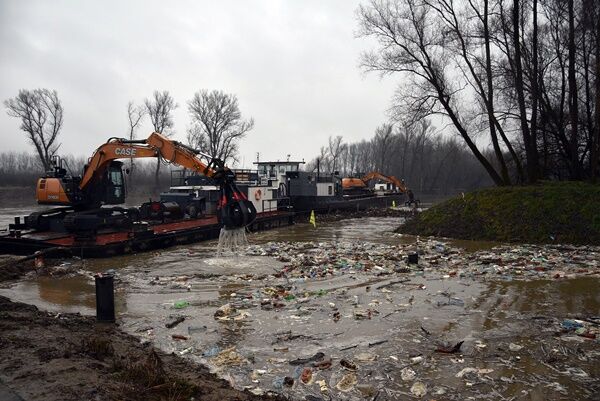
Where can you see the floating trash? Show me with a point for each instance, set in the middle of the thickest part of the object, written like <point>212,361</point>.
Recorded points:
<point>347,382</point>
<point>418,389</point>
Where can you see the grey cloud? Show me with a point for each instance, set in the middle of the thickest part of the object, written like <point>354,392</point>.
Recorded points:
<point>292,64</point>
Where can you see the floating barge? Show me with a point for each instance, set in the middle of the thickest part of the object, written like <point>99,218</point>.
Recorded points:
<point>279,191</point>
<point>142,238</point>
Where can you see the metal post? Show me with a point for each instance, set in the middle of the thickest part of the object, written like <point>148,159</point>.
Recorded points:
<point>413,258</point>
<point>105,297</point>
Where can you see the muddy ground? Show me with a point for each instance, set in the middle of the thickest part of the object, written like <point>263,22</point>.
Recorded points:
<point>52,356</point>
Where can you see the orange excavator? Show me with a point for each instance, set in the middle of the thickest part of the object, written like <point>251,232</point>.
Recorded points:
<point>360,187</point>
<point>102,184</point>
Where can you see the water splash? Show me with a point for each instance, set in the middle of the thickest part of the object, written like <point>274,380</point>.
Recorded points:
<point>231,240</point>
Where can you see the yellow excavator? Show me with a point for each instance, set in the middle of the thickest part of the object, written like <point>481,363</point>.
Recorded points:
<point>102,184</point>
<point>360,186</point>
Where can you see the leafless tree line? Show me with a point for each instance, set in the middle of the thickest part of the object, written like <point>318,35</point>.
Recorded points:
<point>519,81</point>
<point>22,169</point>
<point>416,153</point>
<point>217,127</point>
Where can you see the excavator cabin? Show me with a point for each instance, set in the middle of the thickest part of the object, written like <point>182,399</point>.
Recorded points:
<point>359,187</point>
<point>60,188</point>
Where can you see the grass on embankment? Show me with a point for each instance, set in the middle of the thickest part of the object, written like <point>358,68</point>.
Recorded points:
<point>565,212</point>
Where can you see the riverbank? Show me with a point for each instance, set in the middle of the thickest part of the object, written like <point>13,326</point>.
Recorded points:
<point>52,356</point>
<point>565,212</point>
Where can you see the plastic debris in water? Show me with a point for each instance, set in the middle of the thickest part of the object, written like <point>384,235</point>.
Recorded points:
<point>407,374</point>
<point>323,386</point>
<point>278,382</point>
<point>231,239</point>
<point>229,357</point>
<point>213,351</point>
<point>568,324</point>
<point>473,370</point>
<point>348,365</point>
<point>306,376</point>
<point>514,347</point>
<point>347,382</point>
<point>181,304</point>
<point>257,391</point>
<point>365,357</point>
<point>418,389</point>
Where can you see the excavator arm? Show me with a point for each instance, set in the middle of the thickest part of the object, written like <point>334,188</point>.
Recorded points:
<point>156,145</point>
<point>387,178</point>
<point>233,208</point>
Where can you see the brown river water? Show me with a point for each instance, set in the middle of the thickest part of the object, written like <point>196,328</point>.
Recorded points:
<point>388,325</point>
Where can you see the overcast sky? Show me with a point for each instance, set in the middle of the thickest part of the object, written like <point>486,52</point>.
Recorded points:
<point>294,66</point>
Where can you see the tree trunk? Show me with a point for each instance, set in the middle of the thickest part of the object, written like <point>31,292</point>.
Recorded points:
<point>530,146</point>
<point>534,83</point>
<point>596,140</point>
<point>573,106</point>
<point>490,97</point>
<point>461,130</point>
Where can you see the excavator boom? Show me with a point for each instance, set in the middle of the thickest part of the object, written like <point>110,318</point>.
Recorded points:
<point>388,178</point>
<point>101,182</point>
<point>361,183</point>
<point>156,145</point>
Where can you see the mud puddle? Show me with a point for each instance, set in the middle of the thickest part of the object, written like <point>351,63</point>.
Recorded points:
<point>336,312</point>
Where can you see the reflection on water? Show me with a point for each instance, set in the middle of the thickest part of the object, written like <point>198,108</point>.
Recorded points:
<point>61,294</point>
<point>66,294</point>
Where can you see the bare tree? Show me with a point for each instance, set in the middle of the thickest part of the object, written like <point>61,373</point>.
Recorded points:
<point>412,44</point>
<point>41,115</point>
<point>352,158</point>
<point>218,124</point>
<point>384,136</point>
<point>365,152</point>
<point>195,138</point>
<point>595,153</point>
<point>431,162</point>
<point>160,109</point>
<point>336,148</point>
<point>135,115</point>
<point>573,105</point>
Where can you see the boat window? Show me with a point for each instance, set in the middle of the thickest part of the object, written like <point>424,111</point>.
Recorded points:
<point>330,188</point>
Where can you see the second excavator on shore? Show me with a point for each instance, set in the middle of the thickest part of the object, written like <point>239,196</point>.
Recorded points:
<point>357,187</point>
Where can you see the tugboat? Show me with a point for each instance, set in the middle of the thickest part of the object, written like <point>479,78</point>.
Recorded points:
<point>283,185</point>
